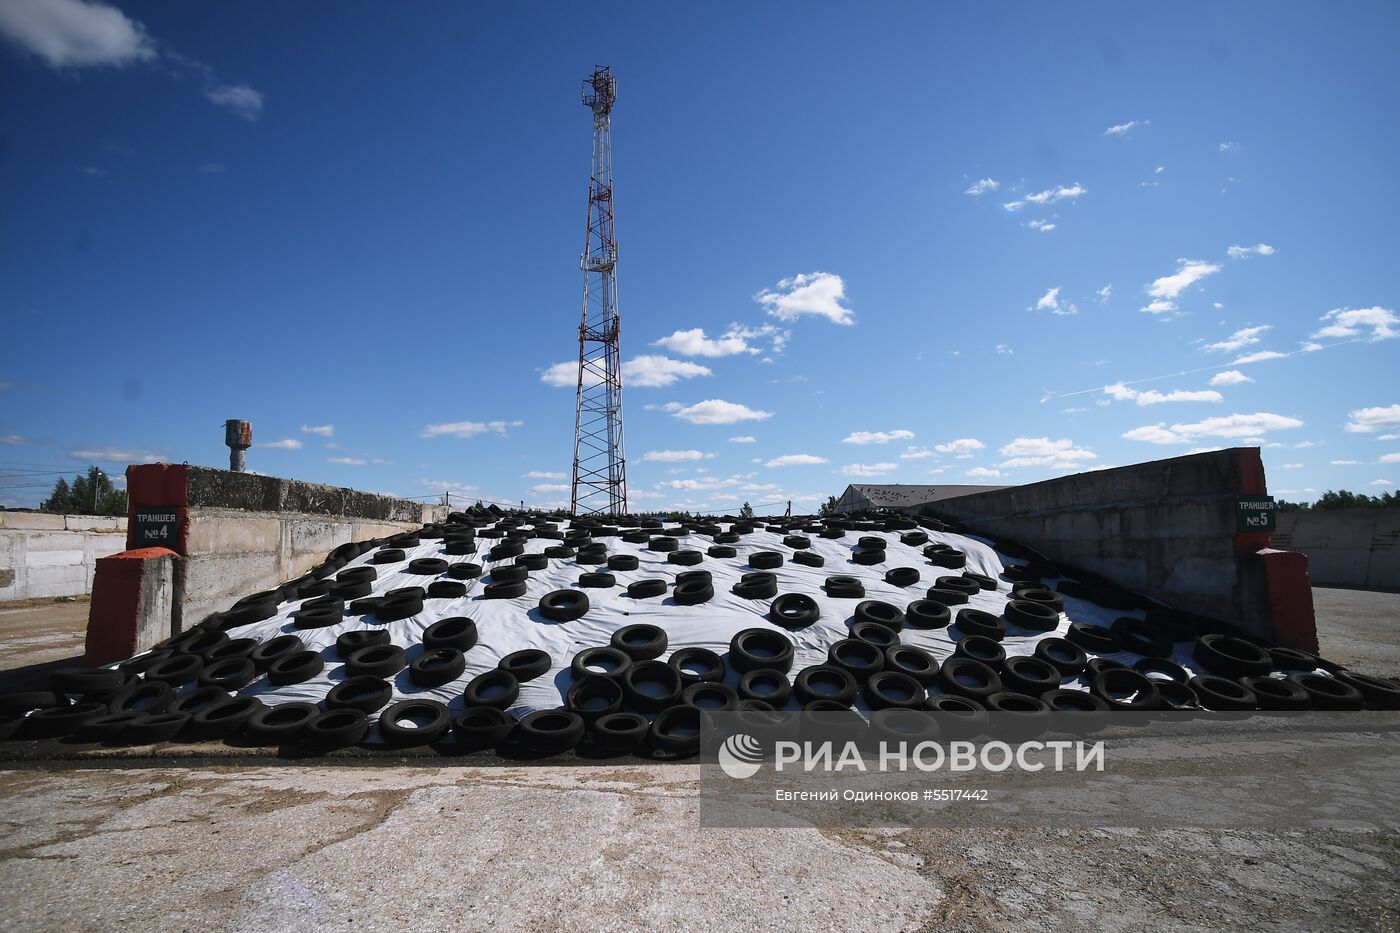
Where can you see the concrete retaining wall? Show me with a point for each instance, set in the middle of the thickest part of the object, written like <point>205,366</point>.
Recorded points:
<point>1166,529</point>
<point>1345,547</point>
<point>46,555</point>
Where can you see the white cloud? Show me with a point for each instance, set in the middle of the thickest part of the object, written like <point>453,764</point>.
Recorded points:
<point>469,429</point>
<point>550,488</point>
<point>1169,287</point>
<point>980,473</point>
<point>1244,252</point>
<point>1229,147</point>
<point>1381,482</point>
<point>565,374</point>
<point>1044,226</point>
<point>1203,450</point>
<point>818,293</point>
<point>650,372</point>
<point>240,98</point>
<point>1048,301</point>
<point>962,448</point>
<point>718,411</point>
<point>1004,349</point>
<point>75,33</point>
<point>795,460</point>
<point>1105,293</point>
<point>1048,196</point>
<point>1123,129</point>
<point>1043,452</point>
<point>544,474</point>
<point>1230,377</point>
<point>1120,392</point>
<point>1390,458</point>
<point>1349,322</point>
<point>15,440</point>
<point>116,455</point>
<point>287,443</point>
<point>916,453</point>
<point>1346,462</point>
<point>1257,357</point>
<point>1292,466</point>
<point>868,469</point>
<point>347,461</point>
<point>1231,426</point>
<point>1366,420</point>
<point>674,456</point>
<point>1159,170</point>
<point>982,186</point>
<point>1240,339</point>
<point>1389,437</point>
<point>321,430</point>
<point>693,342</point>
<point>877,437</point>
<point>742,439</point>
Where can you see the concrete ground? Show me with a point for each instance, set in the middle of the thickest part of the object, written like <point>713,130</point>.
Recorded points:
<point>312,847</point>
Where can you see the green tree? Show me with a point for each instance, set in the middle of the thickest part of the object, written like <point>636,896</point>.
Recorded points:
<point>828,507</point>
<point>746,511</point>
<point>90,493</point>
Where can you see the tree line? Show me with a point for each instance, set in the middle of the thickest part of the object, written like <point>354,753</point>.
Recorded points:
<point>90,493</point>
<point>1330,501</point>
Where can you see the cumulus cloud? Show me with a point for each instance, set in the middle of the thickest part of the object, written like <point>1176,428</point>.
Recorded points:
<point>1105,293</point>
<point>239,98</point>
<point>1230,377</point>
<point>1169,287</point>
<point>980,473</point>
<point>1259,357</point>
<point>1063,454</point>
<point>718,411</point>
<point>693,342</point>
<point>982,186</point>
<point>1390,458</point>
<point>795,460</point>
<point>116,455</point>
<point>1050,301</point>
<point>1123,129</point>
<point>816,293</point>
<point>1153,397</point>
<point>868,469</point>
<point>15,440</point>
<point>962,448</point>
<point>287,443</point>
<point>643,372</point>
<point>1048,196</point>
<point>916,453</point>
<point>321,430</point>
<point>1352,322</point>
<point>1244,252</point>
<point>742,439</point>
<point>1044,226</point>
<point>1369,420</point>
<point>1004,349</point>
<point>877,437</point>
<point>469,429</point>
<point>550,488</point>
<point>75,33</point>
<point>347,461</point>
<point>1240,339</point>
<point>674,456</point>
<point>1231,426</point>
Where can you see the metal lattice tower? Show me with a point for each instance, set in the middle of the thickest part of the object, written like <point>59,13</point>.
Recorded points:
<point>600,469</point>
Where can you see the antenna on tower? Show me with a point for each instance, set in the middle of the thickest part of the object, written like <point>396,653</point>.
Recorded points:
<point>600,469</point>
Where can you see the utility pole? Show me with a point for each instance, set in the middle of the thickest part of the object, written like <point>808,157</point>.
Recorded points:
<point>599,475</point>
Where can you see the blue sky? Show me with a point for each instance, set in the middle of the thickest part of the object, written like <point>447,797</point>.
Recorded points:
<point>925,243</point>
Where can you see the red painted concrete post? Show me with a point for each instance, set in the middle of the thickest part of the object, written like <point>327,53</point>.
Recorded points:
<point>1286,584</point>
<point>131,594</point>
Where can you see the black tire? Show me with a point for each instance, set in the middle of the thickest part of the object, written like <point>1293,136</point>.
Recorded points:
<point>1064,700</point>
<point>756,586</point>
<point>693,592</point>
<point>176,670</point>
<point>350,642</point>
<point>1035,617</point>
<point>154,728</point>
<point>366,693</point>
<point>645,589</point>
<point>87,681</point>
<point>610,662</point>
<point>1143,638</point>
<point>721,551</point>
<point>1029,675</point>
<point>564,605</point>
<point>1275,693</point>
<point>224,720</point>
<point>697,664</point>
<point>234,648</point>
<point>499,590</point>
<point>976,622</point>
<point>640,642</point>
<point>1227,656</point>
<point>961,584</point>
<point>1291,659</point>
<point>483,727</point>
<point>902,576</point>
<point>1177,696</point>
<point>54,722</point>
<point>868,558</point>
<point>401,606</point>
<point>107,727</point>
<point>197,699</point>
<point>597,581</point>
<point>351,589</point>
<point>623,562</point>
<point>506,549</point>
<point>1097,666</point>
<point>687,557</point>
<point>985,583</point>
<point>843,586</point>
<point>1162,669</point>
<point>376,661</point>
<point>1380,694</point>
<point>872,543</point>
<point>339,728</point>
<point>496,688</point>
<point>388,555</point>
<point>874,610</point>
<point>1329,693</point>
<point>712,695</point>
<point>152,696</point>
<point>365,606</point>
<point>914,538</point>
<point>825,683</point>
<point>755,648</point>
<point>620,732</point>
<point>202,642</point>
<point>527,664</point>
<point>1067,657</point>
<point>437,666</point>
<point>140,663</point>
<point>676,730</point>
<point>859,658</point>
<point>1095,638</point>
<point>1043,596</point>
<point>1223,694</point>
<point>594,696</point>
<point>551,731</point>
<point>927,614</point>
<point>1123,688</point>
<point>809,559</point>
<point>893,690</point>
<point>765,560</point>
<point>533,561</point>
<point>281,724</point>
<point>913,661</point>
<point>465,571</point>
<point>941,594</point>
<point>228,674</point>
<point>942,555</point>
<point>446,589</point>
<point>430,721</point>
<point>981,648</point>
<point>361,574</point>
<point>794,611</point>
<point>968,678</point>
<point>765,686</point>
<point>453,632</point>
<point>881,636</point>
<point>797,542</point>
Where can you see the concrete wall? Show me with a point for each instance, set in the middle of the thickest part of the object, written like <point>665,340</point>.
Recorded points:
<point>1345,547</point>
<point>1165,528</point>
<point>46,555</point>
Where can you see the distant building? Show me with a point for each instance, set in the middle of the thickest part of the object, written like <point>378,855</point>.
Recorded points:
<point>862,497</point>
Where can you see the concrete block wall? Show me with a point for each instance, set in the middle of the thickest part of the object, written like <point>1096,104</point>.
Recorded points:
<point>1345,547</point>
<point>46,555</point>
